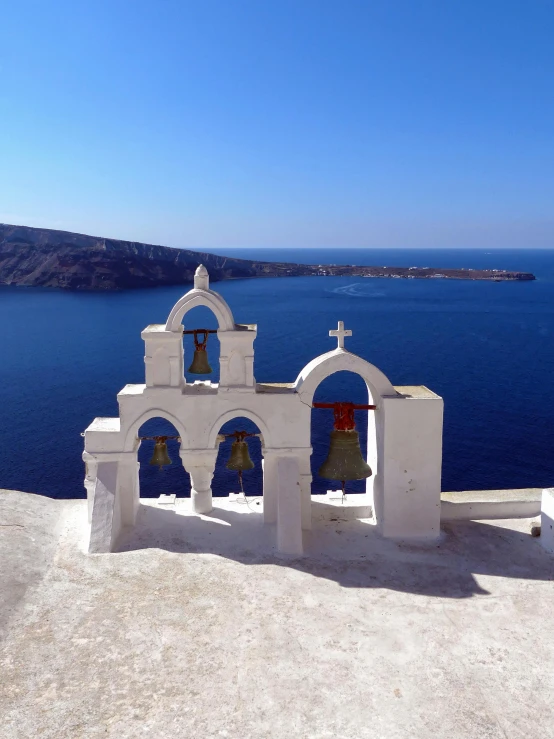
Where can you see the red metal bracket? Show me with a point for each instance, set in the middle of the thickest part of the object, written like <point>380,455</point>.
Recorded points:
<point>158,438</point>
<point>238,435</point>
<point>344,413</point>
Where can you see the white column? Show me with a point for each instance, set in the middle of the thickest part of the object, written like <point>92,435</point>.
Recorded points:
<point>127,488</point>
<point>91,466</point>
<point>163,357</point>
<point>305,488</point>
<point>271,485</point>
<point>106,520</point>
<point>373,485</point>
<point>408,486</point>
<point>236,359</point>
<point>547,520</point>
<point>289,509</point>
<point>200,465</point>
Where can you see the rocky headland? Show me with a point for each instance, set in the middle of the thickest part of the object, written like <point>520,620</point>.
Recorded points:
<point>41,257</point>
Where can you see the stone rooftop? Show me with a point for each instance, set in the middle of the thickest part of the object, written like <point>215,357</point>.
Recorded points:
<point>196,628</point>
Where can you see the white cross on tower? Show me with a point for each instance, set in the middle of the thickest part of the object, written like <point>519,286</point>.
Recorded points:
<point>340,333</point>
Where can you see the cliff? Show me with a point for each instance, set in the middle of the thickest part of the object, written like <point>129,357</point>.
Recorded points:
<point>45,258</point>
<point>40,257</point>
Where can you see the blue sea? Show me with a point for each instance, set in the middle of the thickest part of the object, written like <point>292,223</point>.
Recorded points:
<point>487,348</point>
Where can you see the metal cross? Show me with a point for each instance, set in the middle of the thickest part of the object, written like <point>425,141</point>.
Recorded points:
<point>340,333</point>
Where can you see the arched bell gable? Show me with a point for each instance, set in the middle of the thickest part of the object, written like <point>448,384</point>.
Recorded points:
<point>239,413</point>
<point>132,432</point>
<point>207,298</point>
<point>318,369</point>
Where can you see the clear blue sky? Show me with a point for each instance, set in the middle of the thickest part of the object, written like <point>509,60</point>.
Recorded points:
<point>295,123</point>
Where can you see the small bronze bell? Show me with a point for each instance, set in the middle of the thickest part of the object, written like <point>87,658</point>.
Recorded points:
<point>345,461</point>
<point>240,457</point>
<point>160,457</point>
<point>200,364</point>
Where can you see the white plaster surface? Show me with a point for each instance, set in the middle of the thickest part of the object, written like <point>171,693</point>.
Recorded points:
<point>547,519</point>
<point>197,629</point>
<point>476,504</point>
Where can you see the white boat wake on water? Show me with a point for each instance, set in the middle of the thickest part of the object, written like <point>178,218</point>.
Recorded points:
<point>357,290</point>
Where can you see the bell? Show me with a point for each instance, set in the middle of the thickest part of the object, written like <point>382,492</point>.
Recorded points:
<point>200,364</point>
<point>240,458</point>
<point>160,457</point>
<point>345,461</point>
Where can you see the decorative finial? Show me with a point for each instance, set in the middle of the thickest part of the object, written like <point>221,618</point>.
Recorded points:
<point>340,332</point>
<point>201,278</point>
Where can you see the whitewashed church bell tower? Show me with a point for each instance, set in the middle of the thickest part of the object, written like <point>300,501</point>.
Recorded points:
<point>404,433</point>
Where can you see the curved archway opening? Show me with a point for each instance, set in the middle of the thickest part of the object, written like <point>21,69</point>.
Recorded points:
<point>201,297</point>
<point>154,481</point>
<point>226,481</point>
<point>341,386</point>
<point>201,317</point>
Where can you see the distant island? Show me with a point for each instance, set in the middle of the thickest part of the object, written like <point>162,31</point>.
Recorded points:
<point>41,257</point>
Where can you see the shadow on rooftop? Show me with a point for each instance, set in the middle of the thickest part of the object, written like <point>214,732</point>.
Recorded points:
<point>352,553</point>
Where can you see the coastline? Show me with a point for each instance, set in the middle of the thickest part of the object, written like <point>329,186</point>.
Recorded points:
<point>34,257</point>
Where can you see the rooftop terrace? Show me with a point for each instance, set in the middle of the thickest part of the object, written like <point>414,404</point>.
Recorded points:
<point>196,628</point>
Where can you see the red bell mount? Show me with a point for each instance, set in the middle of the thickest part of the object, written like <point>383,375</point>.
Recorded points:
<point>238,435</point>
<point>201,343</point>
<point>158,438</point>
<point>344,413</point>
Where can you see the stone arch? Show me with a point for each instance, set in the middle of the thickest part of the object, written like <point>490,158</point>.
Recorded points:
<point>318,369</point>
<point>378,386</point>
<point>225,480</point>
<point>207,298</point>
<point>172,478</point>
<point>129,443</point>
<point>236,413</point>
<point>343,385</point>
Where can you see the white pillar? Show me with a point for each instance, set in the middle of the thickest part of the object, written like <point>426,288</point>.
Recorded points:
<point>200,464</point>
<point>91,466</point>
<point>408,484</point>
<point>236,359</point>
<point>106,518</point>
<point>547,520</point>
<point>306,488</point>
<point>289,509</point>
<point>271,485</point>
<point>127,488</point>
<point>372,486</point>
<point>163,357</point>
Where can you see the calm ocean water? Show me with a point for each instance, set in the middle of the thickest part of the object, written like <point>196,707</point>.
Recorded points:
<point>487,348</point>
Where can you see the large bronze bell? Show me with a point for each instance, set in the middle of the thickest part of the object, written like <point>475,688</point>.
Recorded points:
<point>200,364</point>
<point>160,457</point>
<point>344,460</point>
<point>240,457</point>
